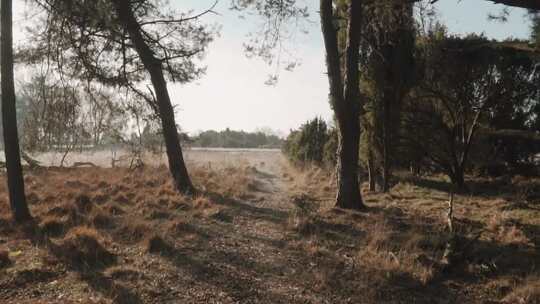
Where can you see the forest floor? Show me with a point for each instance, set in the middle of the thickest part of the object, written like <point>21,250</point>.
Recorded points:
<point>261,231</point>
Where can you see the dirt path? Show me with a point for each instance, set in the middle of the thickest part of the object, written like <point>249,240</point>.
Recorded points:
<point>249,258</point>
<point>240,253</point>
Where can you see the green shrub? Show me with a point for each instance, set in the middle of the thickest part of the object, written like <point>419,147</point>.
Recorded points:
<point>313,143</point>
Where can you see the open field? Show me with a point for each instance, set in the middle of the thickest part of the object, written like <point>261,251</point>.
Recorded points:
<point>261,231</point>
<point>192,156</point>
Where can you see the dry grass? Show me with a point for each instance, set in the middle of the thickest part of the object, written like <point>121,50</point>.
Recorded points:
<point>102,219</point>
<point>230,181</point>
<point>120,236</point>
<point>401,239</point>
<point>134,230</point>
<point>527,292</point>
<point>84,247</point>
<point>95,218</point>
<point>157,244</point>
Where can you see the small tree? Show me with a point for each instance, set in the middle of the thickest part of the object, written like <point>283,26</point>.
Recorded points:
<point>120,43</point>
<point>387,53</point>
<point>54,117</point>
<point>465,80</point>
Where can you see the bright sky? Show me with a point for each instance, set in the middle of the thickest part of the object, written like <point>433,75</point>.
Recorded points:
<point>233,95</point>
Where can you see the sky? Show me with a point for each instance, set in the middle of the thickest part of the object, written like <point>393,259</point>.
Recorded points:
<point>233,94</point>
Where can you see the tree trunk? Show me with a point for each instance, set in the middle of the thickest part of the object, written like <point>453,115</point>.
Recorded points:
<point>371,171</point>
<point>458,178</point>
<point>66,152</point>
<point>153,65</point>
<point>387,141</point>
<point>345,100</point>
<point>393,75</point>
<point>15,178</point>
<point>348,195</point>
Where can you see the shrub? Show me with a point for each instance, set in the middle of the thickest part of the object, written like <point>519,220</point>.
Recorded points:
<point>312,143</point>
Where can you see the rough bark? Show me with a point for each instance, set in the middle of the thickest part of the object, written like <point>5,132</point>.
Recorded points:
<point>345,100</point>
<point>393,79</point>
<point>12,152</point>
<point>458,177</point>
<point>371,171</point>
<point>348,195</point>
<point>153,65</point>
<point>387,140</point>
<point>391,116</point>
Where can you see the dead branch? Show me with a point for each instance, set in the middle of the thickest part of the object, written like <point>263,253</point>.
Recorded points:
<point>32,163</point>
<point>136,163</point>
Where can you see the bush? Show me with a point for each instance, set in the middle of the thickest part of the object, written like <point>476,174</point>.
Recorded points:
<point>330,148</point>
<point>312,143</point>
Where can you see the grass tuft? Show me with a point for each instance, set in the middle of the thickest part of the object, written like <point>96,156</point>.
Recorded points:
<point>83,247</point>
<point>157,245</point>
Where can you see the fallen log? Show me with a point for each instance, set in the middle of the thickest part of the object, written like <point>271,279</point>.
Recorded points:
<point>83,164</point>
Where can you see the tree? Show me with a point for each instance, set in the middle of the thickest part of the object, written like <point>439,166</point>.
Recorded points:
<point>15,178</point>
<point>54,117</point>
<point>308,144</point>
<point>345,98</point>
<point>153,65</point>
<point>387,59</point>
<point>343,75</point>
<point>465,81</point>
<point>106,113</point>
<point>121,49</point>
<point>237,139</point>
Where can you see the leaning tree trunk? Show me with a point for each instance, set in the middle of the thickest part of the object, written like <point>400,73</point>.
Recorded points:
<point>153,65</point>
<point>345,100</point>
<point>15,178</point>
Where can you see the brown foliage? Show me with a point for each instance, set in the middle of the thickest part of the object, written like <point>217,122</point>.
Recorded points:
<point>83,247</point>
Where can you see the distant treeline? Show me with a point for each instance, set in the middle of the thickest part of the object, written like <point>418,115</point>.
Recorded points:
<point>236,139</point>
